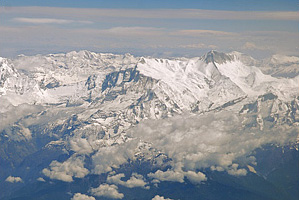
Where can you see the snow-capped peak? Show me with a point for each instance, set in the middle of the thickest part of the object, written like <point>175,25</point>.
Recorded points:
<point>217,57</point>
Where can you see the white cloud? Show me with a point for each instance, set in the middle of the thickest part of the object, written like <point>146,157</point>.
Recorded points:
<point>157,197</point>
<point>12,179</point>
<point>136,180</point>
<point>48,21</point>
<point>213,141</point>
<point>177,176</point>
<point>40,179</point>
<point>233,170</point>
<point>109,191</point>
<point>79,196</point>
<point>9,113</point>
<point>73,167</point>
<point>168,175</point>
<point>194,177</point>
<point>113,156</point>
<point>81,145</point>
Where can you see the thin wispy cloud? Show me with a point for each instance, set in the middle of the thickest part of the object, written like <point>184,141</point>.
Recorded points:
<point>202,32</point>
<point>48,21</point>
<point>160,13</point>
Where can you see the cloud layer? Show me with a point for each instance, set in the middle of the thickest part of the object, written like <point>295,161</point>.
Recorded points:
<point>214,141</point>
<point>33,30</point>
<point>160,13</point>
<point>48,21</point>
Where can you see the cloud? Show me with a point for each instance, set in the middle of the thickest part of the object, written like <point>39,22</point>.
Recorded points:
<point>197,32</point>
<point>253,46</point>
<point>10,114</point>
<point>138,31</point>
<point>109,191</point>
<point>40,179</point>
<point>194,177</point>
<point>157,13</point>
<point>216,141</point>
<point>12,179</point>
<point>168,175</point>
<point>79,196</point>
<point>235,171</point>
<point>138,41</point>
<point>178,176</point>
<point>73,167</point>
<point>198,46</point>
<point>157,197</point>
<point>133,31</point>
<point>113,156</point>
<point>48,21</point>
<point>81,145</point>
<point>136,180</point>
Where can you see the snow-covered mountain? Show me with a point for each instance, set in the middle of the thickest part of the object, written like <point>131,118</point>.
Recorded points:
<point>85,113</point>
<point>281,66</point>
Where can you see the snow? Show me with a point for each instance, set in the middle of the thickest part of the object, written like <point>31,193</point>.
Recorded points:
<point>282,59</point>
<point>186,82</point>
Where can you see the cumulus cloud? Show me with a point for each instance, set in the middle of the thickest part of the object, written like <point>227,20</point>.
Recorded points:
<point>79,196</point>
<point>81,145</point>
<point>136,180</point>
<point>194,177</point>
<point>40,179</point>
<point>12,179</point>
<point>109,191</point>
<point>157,197</point>
<point>113,156</point>
<point>233,170</point>
<point>73,167</point>
<point>177,176</point>
<point>168,175</point>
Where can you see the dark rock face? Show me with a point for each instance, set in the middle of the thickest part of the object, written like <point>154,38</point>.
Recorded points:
<point>217,57</point>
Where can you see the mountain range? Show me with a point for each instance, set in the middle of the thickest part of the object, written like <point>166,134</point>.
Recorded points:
<point>85,125</point>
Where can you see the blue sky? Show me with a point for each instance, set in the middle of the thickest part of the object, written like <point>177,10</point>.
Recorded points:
<point>155,28</point>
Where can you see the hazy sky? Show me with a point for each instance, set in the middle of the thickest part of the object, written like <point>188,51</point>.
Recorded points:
<point>152,27</point>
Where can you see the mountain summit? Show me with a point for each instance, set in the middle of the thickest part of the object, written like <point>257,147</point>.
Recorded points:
<point>217,57</point>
